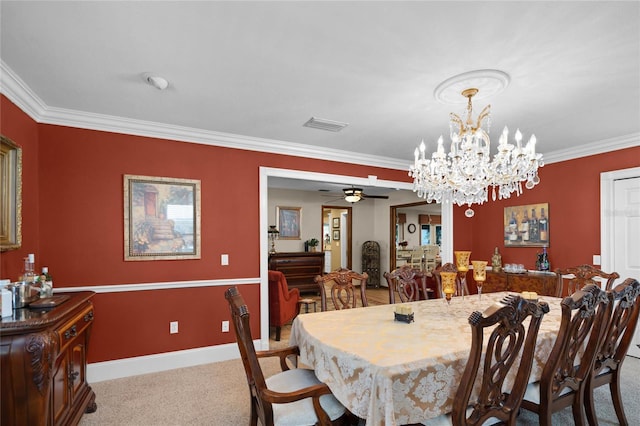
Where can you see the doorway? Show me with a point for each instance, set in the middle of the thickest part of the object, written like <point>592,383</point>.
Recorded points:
<point>411,233</point>
<point>620,218</point>
<point>336,232</point>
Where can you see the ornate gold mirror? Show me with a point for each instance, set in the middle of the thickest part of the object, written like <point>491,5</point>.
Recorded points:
<point>10,195</point>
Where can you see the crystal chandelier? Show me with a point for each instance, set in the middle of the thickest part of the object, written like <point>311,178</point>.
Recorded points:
<point>464,175</point>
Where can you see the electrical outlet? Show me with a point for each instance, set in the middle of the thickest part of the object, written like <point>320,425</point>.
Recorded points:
<point>173,327</point>
<point>225,326</point>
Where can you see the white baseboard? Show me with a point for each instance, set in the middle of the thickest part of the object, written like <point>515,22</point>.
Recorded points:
<point>109,370</point>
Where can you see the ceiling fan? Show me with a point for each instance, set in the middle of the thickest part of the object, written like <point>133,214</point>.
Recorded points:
<point>353,195</point>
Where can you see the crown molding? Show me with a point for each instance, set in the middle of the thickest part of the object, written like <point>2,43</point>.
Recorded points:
<point>593,148</point>
<point>28,101</point>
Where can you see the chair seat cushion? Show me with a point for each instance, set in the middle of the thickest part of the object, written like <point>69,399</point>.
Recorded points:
<point>300,412</point>
<point>532,393</point>
<point>445,420</point>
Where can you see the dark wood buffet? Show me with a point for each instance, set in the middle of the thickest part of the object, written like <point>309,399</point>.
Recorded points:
<point>543,283</point>
<point>300,269</point>
<point>43,359</point>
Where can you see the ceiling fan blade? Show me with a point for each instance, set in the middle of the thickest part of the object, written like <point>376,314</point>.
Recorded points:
<point>383,197</point>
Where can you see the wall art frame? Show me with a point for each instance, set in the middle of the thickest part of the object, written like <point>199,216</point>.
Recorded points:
<point>289,219</point>
<point>336,222</point>
<point>161,218</point>
<point>527,225</point>
<point>336,235</point>
<point>10,195</point>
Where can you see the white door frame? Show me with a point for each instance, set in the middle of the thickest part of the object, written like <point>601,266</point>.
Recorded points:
<point>607,218</point>
<point>266,172</point>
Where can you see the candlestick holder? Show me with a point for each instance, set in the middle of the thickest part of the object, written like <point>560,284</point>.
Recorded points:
<point>479,274</point>
<point>448,284</point>
<point>462,264</point>
<point>273,236</point>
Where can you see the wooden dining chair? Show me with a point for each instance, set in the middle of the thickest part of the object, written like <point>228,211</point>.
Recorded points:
<point>416,259</point>
<point>579,276</point>
<point>342,288</point>
<point>408,283</point>
<point>293,396</point>
<point>624,305</point>
<point>510,347</point>
<point>564,376</point>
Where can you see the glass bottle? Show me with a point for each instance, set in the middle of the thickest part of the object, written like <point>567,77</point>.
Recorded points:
<point>28,276</point>
<point>543,225</point>
<point>543,260</point>
<point>46,283</point>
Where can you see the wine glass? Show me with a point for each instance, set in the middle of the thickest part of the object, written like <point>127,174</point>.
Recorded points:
<point>479,274</point>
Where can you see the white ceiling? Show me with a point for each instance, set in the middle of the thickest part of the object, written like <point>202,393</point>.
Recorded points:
<point>256,71</point>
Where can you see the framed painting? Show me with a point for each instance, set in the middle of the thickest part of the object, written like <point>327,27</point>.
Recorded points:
<point>161,218</point>
<point>336,222</point>
<point>336,235</point>
<point>526,226</point>
<point>288,222</point>
<point>10,195</point>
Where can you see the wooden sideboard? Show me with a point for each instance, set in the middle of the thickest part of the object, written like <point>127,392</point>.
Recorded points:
<point>300,269</point>
<point>543,283</point>
<point>43,359</point>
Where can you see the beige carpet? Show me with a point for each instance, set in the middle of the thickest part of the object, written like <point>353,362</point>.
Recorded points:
<point>217,394</point>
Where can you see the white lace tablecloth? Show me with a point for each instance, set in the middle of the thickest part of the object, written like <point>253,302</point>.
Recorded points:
<point>393,373</point>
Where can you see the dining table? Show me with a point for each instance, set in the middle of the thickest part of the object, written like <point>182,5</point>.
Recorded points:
<point>391,372</point>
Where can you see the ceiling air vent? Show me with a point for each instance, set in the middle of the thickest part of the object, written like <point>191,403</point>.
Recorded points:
<point>323,124</point>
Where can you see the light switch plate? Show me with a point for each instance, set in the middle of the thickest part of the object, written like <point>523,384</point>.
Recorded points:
<point>224,259</point>
<point>596,259</point>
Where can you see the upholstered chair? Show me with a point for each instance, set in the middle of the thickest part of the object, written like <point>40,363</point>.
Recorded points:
<point>624,307</point>
<point>570,363</point>
<point>509,350</point>
<point>283,303</point>
<point>294,396</point>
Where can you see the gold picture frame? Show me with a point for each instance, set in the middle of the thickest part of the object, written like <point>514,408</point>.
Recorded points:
<point>161,218</point>
<point>10,195</point>
<point>527,225</point>
<point>288,222</point>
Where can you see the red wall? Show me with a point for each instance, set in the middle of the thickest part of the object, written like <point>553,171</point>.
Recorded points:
<point>74,222</point>
<point>572,189</point>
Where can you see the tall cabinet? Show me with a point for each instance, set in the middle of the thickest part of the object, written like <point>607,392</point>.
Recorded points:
<point>371,262</point>
<point>43,360</point>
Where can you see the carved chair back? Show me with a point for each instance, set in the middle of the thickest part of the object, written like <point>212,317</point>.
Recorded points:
<point>624,308</point>
<point>509,342</point>
<point>407,282</point>
<point>315,403</point>
<point>255,377</point>
<point>571,360</point>
<point>579,276</point>
<point>342,288</point>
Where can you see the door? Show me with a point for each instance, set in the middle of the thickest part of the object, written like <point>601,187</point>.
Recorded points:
<point>626,230</point>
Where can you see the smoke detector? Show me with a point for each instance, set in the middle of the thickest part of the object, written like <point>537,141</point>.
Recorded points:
<point>155,80</point>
